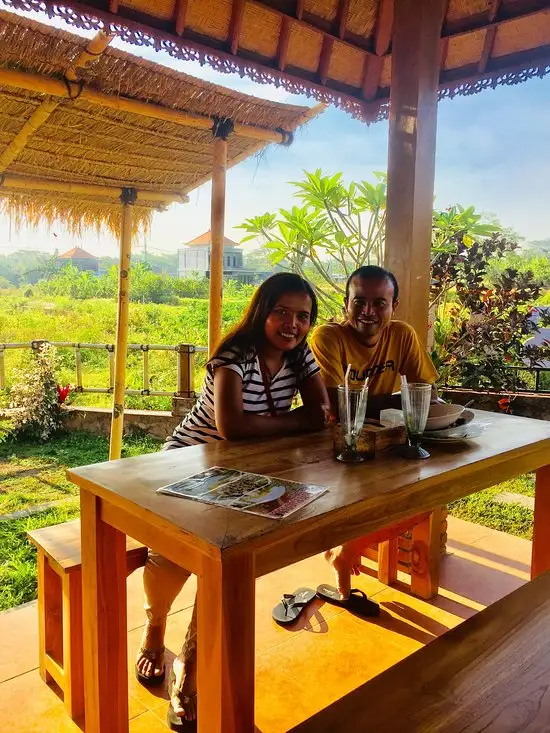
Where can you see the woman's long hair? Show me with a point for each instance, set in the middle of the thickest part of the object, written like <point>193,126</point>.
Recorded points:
<point>250,331</point>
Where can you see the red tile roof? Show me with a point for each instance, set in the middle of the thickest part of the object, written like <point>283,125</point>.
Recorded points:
<point>76,253</point>
<point>206,239</point>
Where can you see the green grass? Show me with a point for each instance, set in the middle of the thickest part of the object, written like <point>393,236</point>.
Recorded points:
<point>481,508</point>
<point>32,475</point>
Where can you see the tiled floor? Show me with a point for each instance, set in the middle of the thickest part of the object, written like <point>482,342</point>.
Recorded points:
<point>300,670</point>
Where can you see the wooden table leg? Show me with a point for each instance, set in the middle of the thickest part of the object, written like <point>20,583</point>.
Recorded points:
<point>225,645</point>
<point>540,558</point>
<point>104,620</point>
<point>426,556</point>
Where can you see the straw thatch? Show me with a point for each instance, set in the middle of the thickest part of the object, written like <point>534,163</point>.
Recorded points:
<point>82,141</point>
<point>337,51</point>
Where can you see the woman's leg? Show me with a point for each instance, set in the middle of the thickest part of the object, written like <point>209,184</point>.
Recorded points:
<point>162,581</point>
<point>183,680</point>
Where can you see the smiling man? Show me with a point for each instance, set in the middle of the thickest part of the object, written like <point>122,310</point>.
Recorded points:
<point>376,346</point>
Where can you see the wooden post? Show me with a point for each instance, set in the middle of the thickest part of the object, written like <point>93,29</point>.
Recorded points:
<point>127,198</point>
<point>411,161</point>
<point>540,559</point>
<point>221,130</point>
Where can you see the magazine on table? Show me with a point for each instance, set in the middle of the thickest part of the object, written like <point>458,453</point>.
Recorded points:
<point>265,496</point>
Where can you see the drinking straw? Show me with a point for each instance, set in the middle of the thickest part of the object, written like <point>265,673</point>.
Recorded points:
<point>404,395</point>
<point>346,392</point>
<point>361,398</point>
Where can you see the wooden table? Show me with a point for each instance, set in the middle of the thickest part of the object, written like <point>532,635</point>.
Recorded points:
<point>228,550</point>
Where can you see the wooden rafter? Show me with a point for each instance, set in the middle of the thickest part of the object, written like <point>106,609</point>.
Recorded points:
<point>113,6</point>
<point>490,36</point>
<point>282,49</point>
<point>300,9</point>
<point>342,17</point>
<point>56,88</point>
<point>181,16</point>
<point>382,42</point>
<point>324,59</point>
<point>235,25</point>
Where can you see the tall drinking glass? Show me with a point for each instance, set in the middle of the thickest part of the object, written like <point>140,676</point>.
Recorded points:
<point>352,406</point>
<point>415,402</point>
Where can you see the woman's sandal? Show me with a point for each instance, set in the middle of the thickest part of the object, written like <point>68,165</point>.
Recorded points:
<point>174,721</point>
<point>152,655</point>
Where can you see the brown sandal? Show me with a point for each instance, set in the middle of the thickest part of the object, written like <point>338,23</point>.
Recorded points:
<point>152,655</point>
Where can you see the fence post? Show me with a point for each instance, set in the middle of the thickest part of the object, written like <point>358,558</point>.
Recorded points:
<point>2,368</point>
<point>78,365</point>
<point>145,350</point>
<point>186,364</point>
<point>111,356</point>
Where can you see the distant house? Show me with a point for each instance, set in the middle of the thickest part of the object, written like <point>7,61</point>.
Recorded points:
<point>78,258</point>
<point>194,259</point>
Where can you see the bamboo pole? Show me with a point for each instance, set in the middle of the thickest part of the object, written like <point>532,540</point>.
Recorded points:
<point>24,183</point>
<point>56,88</point>
<point>217,225</point>
<point>127,198</point>
<point>36,120</point>
<point>95,48</point>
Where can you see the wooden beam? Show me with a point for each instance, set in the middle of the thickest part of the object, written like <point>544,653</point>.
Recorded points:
<point>282,48</point>
<point>324,59</point>
<point>57,88</point>
<point>411,158</point>
<point>181,16</point>
<point>382,40</point>
<point>490,36</point>
<point>342,17</point>
<point>299,9</point>
<point>89,55</point>
<point>217,233</point>
<point>235,25</point>
<point>113,6</point>
<point>23,183</point>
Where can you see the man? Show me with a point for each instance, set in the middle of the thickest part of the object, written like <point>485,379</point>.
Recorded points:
<point>377,347</point>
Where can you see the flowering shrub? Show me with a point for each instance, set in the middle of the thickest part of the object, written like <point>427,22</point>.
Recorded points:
<point>481,327</point>
<point>34,396</point>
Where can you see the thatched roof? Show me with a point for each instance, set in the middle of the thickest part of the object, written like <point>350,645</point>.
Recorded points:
<point>88,139</point>
<point>337,51</point>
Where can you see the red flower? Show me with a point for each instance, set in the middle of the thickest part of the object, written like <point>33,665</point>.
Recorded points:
<point>62,393</point>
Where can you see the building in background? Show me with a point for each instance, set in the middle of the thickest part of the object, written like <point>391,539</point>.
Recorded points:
<point>78,258</point>
<point>194,259</point>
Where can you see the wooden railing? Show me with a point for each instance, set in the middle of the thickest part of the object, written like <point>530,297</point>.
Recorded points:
<point>185,354</point>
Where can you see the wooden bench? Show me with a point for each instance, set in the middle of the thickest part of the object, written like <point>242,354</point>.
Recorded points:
<point>491,673</point>
<point>425,552</point>
<point>60,607</point>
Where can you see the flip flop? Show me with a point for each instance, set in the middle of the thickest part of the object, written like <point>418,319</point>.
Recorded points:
<point>176,723</point>
<point>154,680</point>
<point>292,605</point>
<point>357,601</point>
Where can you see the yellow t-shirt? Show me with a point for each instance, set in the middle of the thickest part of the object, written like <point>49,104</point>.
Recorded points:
<point>335,345</point>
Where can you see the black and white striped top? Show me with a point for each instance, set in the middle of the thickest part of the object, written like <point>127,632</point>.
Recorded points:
<point>199,425</point>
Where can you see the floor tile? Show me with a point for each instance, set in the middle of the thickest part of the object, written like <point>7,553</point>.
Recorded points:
<point>19,641</point>
<point>27,705</point>
<point>476,582</point>
<point>459,530</point>
<point>148,723</point>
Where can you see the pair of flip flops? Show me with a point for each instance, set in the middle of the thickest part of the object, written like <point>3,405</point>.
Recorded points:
<point>292,604</point>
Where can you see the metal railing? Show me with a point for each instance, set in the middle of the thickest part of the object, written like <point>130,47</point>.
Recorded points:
<point>185,365</point>
<point>518,385</point>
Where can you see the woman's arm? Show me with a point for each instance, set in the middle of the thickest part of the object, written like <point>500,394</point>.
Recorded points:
<point>232,423</point>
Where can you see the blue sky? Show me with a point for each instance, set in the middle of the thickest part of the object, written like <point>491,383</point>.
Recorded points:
<point>493,151</point>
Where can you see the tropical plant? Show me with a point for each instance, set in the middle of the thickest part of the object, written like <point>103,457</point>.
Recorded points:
<point>34,396</point>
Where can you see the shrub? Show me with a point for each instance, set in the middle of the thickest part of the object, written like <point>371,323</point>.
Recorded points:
<point>34,396</point>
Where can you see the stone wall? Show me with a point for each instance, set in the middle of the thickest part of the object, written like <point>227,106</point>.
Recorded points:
<point>97,420</point>
<point>526,405</point>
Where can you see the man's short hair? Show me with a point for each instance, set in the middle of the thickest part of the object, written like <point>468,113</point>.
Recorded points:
<point>374,272</point>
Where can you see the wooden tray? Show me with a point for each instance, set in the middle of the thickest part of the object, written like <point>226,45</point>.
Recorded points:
<point>374,438</point>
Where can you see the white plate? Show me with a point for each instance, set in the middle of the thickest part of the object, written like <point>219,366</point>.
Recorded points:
<point>469,433</point>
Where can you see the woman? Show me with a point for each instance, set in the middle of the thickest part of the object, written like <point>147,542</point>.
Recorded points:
<point>256,371</point>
